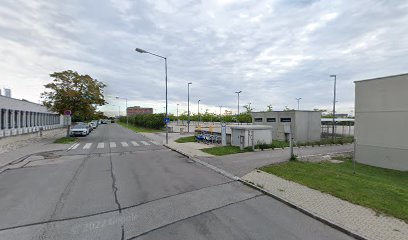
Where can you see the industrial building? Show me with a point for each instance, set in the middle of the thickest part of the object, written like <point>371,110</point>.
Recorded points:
<point>304,125</point>
<point>137,110</point>
<point>381,122</point>
<point>21,116</point>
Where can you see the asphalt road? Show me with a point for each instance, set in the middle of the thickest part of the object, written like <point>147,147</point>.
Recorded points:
<point>116,184</point>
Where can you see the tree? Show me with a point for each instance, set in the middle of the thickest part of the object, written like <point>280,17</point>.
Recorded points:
<point>269,108</point>
<point>71,91</point>
<point>248,108</point>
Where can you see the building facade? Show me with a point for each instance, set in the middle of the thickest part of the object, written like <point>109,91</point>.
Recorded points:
<point>137,110</point>
<point>304,125</point>
<point>20,117</point>
<point>381,122</point>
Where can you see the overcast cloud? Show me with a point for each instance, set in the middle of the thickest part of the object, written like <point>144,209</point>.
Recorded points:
<point>274,51</point>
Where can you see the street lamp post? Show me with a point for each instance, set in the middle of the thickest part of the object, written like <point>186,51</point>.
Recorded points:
<point>334,107</point>
<point>127,118</point>
<point>165,69</point>
<point>298,100</point>
<point>238,103</point>
<point>188,106</point>
<point>198,111</point>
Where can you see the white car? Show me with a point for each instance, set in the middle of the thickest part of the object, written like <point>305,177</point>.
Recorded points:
<point>94,124</point>
<point>79,130</point>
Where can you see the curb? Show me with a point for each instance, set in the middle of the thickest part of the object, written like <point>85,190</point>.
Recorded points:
<point>304,211</point>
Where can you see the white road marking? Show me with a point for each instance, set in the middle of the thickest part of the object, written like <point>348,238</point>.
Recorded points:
<point>155,143</point>
<point>75,146</point>
<point>87,146</point>
<point>124,144</point>
<point>101,145</point>
<point>112,144</point>
<point>145,143</point>
<point>135,143</point>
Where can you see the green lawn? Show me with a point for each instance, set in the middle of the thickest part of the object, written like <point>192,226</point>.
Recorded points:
<point>139,129</point>
<point>66,140</point>
<point>186,139</point>
<point>224,150</point>
<point>384,190</point>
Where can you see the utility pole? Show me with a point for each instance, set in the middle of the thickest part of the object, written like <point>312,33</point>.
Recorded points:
<point>188,106</point>
<point>198,111</point>
<point>334,108</point>
<point>238,103</point>
<point>298,100</point>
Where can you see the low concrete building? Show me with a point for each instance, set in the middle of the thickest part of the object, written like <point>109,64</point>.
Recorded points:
<point>305,125</point>
<point>21,116</point>
<point>381,122</point>
<point>248,133</point>
<point>137,110</point>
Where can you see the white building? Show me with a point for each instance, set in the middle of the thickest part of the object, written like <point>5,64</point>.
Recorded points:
<point>381,122</point>
<point>20,117</point>
<point>305,125</point>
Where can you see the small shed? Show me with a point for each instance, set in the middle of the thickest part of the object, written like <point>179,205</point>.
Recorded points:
<point>248,133</point>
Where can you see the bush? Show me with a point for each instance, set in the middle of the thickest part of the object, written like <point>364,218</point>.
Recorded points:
<point>153,121</point>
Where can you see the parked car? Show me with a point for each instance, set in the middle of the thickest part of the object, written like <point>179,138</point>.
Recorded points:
<point>79,130</point>
<point>104,121</point>
<point>90,127</point>
<point>94,124</point>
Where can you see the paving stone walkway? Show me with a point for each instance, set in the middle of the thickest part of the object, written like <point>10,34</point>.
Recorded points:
<point>356,219</point>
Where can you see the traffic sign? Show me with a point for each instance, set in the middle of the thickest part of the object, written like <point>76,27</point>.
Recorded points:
<point>67,112</point>
<point>166,120</point>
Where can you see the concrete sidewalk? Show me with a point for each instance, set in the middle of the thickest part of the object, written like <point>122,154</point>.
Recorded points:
<point>357,220</point>
<point>15,151</point>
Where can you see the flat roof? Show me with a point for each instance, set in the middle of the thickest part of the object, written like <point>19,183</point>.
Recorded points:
<point>250,127</point>
<point>338,119</point>
<point>287,111</point>
<point>21,100</point>
<point>391,76</point>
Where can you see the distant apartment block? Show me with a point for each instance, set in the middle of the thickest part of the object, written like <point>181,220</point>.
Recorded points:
<point>137,110</point>
<point>381,122</point>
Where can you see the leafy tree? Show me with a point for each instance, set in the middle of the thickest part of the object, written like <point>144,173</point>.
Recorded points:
<point>71,91</point>
<point>248,108</point>
<point>269,108</point>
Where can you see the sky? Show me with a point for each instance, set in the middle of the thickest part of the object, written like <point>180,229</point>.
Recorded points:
<point>274,51</point>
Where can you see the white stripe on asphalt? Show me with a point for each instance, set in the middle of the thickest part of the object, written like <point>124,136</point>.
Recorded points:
<point>101,145</point>
<point>135,143</point>
<point>75,146</point>
<point>145,143</point>
<point>87,146</point>
<point>112,144</point>
<point>155,143</point>
<point>124,144</point>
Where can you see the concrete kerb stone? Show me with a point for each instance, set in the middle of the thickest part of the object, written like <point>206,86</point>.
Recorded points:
<point>305,211</point>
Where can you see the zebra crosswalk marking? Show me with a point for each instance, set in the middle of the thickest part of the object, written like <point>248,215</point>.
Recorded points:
<point>135,143</point>
<point>101,145</point>
<point>145,143</point>
<point>87,146</point>
<point>75,146</point>
<point>124,144</point>
<point>112,144</point>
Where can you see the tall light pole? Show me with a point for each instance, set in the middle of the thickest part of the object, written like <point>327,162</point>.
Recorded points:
<point>334,107</point>
<point>238,103</point>
<point>177,110</point>
<point>198,111</point>
<point>165,69</point>
<point>298,100</point>
<point>188,106</point>
<point>127,118</point>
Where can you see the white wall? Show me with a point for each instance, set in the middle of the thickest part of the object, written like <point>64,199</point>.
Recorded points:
<point>381,125</point>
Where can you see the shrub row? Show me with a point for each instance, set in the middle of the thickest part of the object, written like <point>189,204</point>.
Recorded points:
<point>154,121</point>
